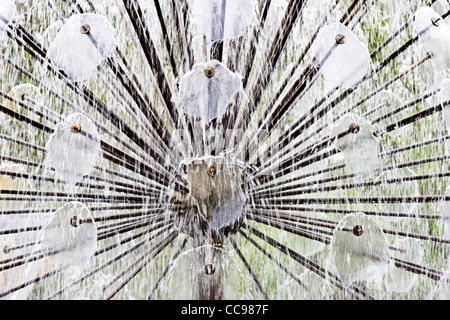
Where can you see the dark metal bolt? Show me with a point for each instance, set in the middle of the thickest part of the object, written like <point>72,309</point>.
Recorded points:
<point>435,21</point>
<point>75,128</point>
<point>74,221</point>
<point>353,128</point>
<point>340,38</point>
<point>209,72</point>
<point>358,230</point>
<point>85,28</point>
<point>209,269</point>
<point>211,171</point>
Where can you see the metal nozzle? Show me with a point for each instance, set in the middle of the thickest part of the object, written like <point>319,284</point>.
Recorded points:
<point>211,171</point>
<point>353,128</point>
<point>74,221</point>
<point>209,72</point>
<point>340,38</point>
<point>435,21</point>
<point>209,269</point>
<point>85,28</point>
<point>75,128</point>
<point>358,230</point>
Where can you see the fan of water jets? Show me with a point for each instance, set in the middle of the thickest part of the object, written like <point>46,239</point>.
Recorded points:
<point>224,149</point>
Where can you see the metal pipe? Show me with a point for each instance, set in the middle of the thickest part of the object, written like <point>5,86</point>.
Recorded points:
<point>144,104</point>
<point>309,264</point>
<point>417,116</point>
<point>341,166</point>
<point>433,274</point>
<point>303,83</point>
<point>286,139</point>
<point>289,228</point>
<point>347,92</point>
<point>269,220</point>
<point>292,14</point>
<point>359,200</point>
<point>167,269</point>
<point>290,208</point>
<point>111,261</point>
<point>405,106</point>
<point>95,102</point>
<point>289,164</point>
<point>279,264</point>
<point>304,153</point>
<point>297,189</point>
<point>149,256</point>
<point>136,17</point>
<point>166,39</point>
<point>64,100</point>
<point>183,34</point>
<point>133,226</point>
<point>249,269</point>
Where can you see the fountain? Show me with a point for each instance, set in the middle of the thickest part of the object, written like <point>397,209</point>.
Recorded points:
<point>224,149</point>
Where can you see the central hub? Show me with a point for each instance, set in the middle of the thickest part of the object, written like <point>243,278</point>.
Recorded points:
<point>208,198</point>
